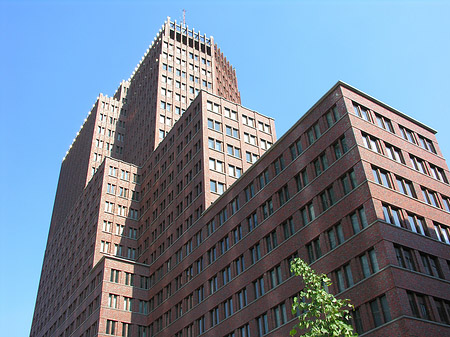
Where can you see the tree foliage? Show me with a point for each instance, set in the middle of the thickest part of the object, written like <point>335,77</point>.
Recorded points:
<point>319,313</point>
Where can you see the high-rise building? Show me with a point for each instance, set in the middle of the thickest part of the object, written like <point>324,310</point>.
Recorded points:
<point>177,211</point>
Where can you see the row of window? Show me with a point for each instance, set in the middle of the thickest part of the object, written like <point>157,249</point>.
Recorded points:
<point>401,218</point>
<point>122,210</point>
<point>406,187</point>
<point>395,153</point>
<point>386,124</point>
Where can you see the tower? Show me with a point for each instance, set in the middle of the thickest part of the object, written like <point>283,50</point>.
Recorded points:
<point>177,211</point>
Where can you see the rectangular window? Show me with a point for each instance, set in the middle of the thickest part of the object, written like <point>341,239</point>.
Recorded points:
<point>394,153</point>
<point>358,220</point>
<point>259,287</point>
<point>263,325</point>
<point>361,111</point>
<point>335,236</point>
<point>405,257</point>
<point>278,165</point>
<point>332,116</point>
<point>442,232</point>
<point>301,180</point>
<point>267,208</point>
<point>431,265</point>
<point>314,250</point>
<point>344,277</point>
<point>288,228</point>
<point>430,197</point>
<point>280,315</point>
<point>408,135</point>
<point>271,241</point>
<point>371,142</point>
<point>340,147</point>
<point>426,144</point>
<point>384,123</point>
<point>380,310</point>
<point>381,177</point>
<point>418,164</point>
<point>392,215</point>
<point>327,198</point>
<point>307,213</point>
<point>296,149</point>
<point>369,263</point>
<point>419,305</point>
<point>406,187</point>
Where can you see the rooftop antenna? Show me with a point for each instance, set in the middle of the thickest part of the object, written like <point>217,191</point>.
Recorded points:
<point>184,17</point>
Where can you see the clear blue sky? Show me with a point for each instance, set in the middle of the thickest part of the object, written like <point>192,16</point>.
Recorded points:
<point>56,56</point>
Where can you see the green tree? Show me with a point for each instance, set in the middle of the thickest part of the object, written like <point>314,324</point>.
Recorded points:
<point>320,313</point>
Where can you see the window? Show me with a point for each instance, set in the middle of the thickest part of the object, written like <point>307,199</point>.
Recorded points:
<point>313,133</point>
<point>212,255</point>
<point>301,180</point>
<point>234,171</point>
<point>251,157</point>
<point>111,327</point>
<point>241,298</point>
<point>217,187</point>
<point>314,250</point>
<point>112,301</point>
<point>405,187</point>
<point>216,165</point>
<point>213,285</point>
<point>419,305</point>
<point>394,153</point>
<point>280,316</point>
<point>358,220</point>
<point>240,264</point>
<point>237,234</point>
<point>405,257</point>
<point>381,177</point>
<point>348,181</point>
<point>214,125</point>
<point>418,164</point>
<point>332,116</point>
<point>263,179</point>
<point>214,313</point>
<point>344,277</point>
<point>361,111</point>
<point>335,236</point>
<point>250,139</point>
<point>263,325</point>
<point>443,308</point>
<point>232,132</point>
<point>258,285</point>
<point>275,276</point>
<point>114,276</point>
<point>431,265</point>
<point>369,263</point>
<point>442,232</point>
<point>327,198</point>
<point>438,173</point>
<point>340,147</point>
<point>249,192</point>
<point>371,143</point>
<point>226,275</point>
<point>267,208</point>
<point>380,310</point>
<point>320,164</point>
<point>392,215</point>
<point>255,253</point>
<point>384,123</point>
<point>127,304</point>
<point>278,165</point>
<point>271,241</point>
<point>307,213</point>
<point>430,197</point>
<point>417,224</point>
<point>228,307</point>
<point>426,144</point>
<point>252,221</point>
<point>233,151</point>
<point>288,228</point>
<point>296,149</point>
<point>215,144</point>
<point>408,135</point>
